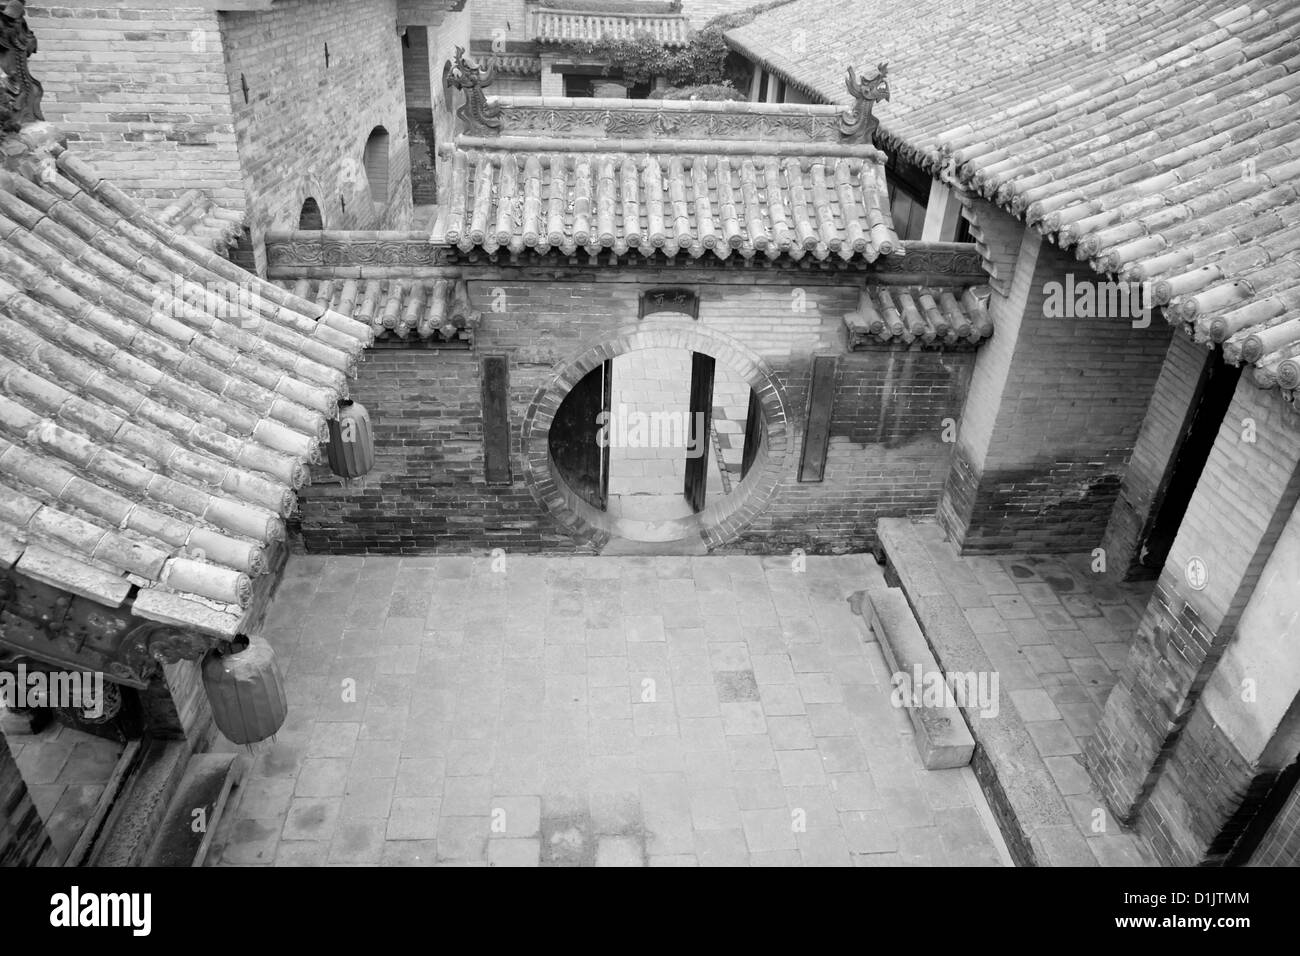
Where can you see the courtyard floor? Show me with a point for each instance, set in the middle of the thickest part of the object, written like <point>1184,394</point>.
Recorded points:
<point>591,711</point>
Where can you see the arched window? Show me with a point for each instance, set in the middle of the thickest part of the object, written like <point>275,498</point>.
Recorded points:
<point>310,217</point>
<point>376,161</point>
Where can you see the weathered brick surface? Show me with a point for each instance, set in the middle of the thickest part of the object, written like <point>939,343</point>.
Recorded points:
<point>506,19</point>
<point>1054,410</point>
<point>451,32</point>
<point>303,130</point>
<point>511,84</point>
<point>1205,797</point>
<point>887,452</point>
<point>24,840</point>
<point>1155,451</point>
<point>140,90</point>
<point>1232,524</point>
<point>1281,844</point>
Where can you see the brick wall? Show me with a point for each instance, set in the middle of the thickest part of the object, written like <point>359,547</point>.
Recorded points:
<point>304,127</point>
<point>1172,404</point>
<point>23,837</point>
<point>427,491</point>
<point>1054,410</point>
<point>1152,725</point>
<point>140,91</point>
<point>511,84</point>
<point>419,114</point>
<point>1281,844</point>
<point>453,31</point>
<point>507,19</point>
<point>416,67</point>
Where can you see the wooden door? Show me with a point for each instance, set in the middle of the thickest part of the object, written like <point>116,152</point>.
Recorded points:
<point>701,409</point>
<point>753,434</point>
<point>575,437</point>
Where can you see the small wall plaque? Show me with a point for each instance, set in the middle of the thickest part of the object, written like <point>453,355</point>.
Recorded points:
<point>670,300</point>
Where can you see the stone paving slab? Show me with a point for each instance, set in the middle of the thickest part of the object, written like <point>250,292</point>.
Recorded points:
<point>1055,635</point>
<point>667,711</point>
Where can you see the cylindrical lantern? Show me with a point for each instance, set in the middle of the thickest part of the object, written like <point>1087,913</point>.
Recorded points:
<point>351,448</point>
<point>246,691</point>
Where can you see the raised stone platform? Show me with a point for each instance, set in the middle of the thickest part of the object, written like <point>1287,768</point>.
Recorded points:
<point>1053,638</point>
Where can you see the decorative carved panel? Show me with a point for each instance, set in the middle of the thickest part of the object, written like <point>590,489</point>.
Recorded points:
<point>45,624</point>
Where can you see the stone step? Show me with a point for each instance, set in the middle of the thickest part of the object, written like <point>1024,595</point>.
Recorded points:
<point>200,797</point>
<point>942,738</point>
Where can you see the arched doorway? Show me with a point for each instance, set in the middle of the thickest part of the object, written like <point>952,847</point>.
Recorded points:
<point>568,469</point>
<point>309,217</point>
<point>376,163</point>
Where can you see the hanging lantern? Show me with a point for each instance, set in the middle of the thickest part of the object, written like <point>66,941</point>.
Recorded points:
<point>245,690</point>
<point>351,448</point>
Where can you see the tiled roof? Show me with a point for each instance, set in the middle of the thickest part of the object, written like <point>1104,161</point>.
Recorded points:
<point>938,317</point>
<point>434,309</point>
<point>158,405</point>
<point>1159,141</point>
<point>197,216</point>
<point>577,26</point>
<point>668,176</point>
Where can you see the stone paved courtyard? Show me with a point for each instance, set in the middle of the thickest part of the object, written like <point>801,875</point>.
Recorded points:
<point>591,711</point>
<point>1057,635</point>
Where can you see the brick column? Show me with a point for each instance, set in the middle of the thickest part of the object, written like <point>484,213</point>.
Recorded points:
<point>1016,249</point>
<point>1055,405</point>
<point>1173,404</point>
<point>24,841</point>
<point>1244,731</point>
<point>1236,516</point>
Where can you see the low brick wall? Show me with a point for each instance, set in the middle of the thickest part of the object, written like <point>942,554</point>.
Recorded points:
<point>887,454</point>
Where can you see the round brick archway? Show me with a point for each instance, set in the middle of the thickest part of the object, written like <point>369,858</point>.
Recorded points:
<point>719,522</point>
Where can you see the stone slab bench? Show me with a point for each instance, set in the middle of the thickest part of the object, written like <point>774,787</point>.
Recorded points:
<point>942,738</point>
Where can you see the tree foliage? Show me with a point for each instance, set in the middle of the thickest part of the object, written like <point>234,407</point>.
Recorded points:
<point>643,59</point>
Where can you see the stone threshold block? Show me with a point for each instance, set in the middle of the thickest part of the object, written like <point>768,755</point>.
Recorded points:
<point>942,738</point>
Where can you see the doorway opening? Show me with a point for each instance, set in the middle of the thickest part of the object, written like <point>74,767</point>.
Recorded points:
<point>1211,401</point>
<point>654,436</point>
<point>665,435</point>
<point>309,217</point>
<point>421,135</point>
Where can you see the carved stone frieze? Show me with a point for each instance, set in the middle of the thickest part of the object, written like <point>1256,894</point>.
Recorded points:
<point>301,249</point>
<point>633,123</point>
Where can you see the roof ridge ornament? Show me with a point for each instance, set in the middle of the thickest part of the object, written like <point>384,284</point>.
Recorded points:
<point>20,92</point>
<point>463,74</point>
<point>858,125</point>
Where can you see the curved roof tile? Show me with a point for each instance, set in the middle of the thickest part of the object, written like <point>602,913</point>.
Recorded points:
<point>1159,141</point>
<point>158,404</point>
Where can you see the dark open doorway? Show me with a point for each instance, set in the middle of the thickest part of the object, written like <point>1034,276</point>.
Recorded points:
<point>699,425</point>
<point>1210,406</point>
<point>576,439</point>
<point>655,436</point>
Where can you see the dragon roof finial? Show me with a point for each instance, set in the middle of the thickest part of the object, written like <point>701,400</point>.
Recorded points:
<point>858,126</point>
<point>20,92</point>
<point>476,113</point>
